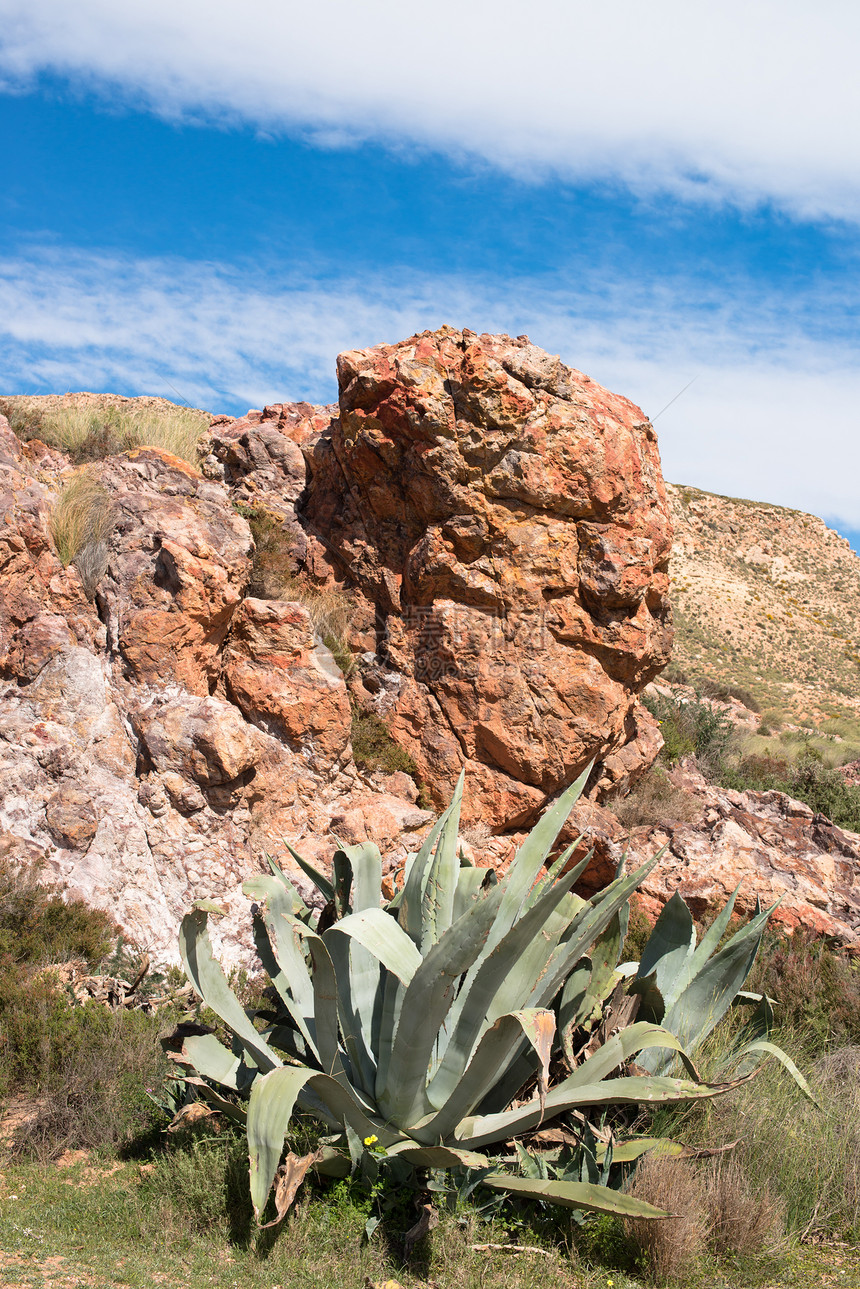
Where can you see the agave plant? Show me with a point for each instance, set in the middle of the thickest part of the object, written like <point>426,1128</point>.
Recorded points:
<point>688,987</point>
<point>423,1027</point>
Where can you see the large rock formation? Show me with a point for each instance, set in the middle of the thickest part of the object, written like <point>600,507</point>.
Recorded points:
<point>500,523</point>
<point>503,524</point>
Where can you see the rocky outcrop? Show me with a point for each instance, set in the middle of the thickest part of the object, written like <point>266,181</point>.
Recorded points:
<point>500,525</point>
<point>503,521</point>
<point>774,847</point>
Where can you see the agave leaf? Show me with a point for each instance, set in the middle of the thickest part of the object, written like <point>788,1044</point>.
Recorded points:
<point>438,1156</point>
<point>469,884</point>
<point>273,1098</point>
<point>625,1152</point>
<point>585,928</point>
<point>207,977</point>
<point>332,1162</point>
<point>223,1105</point>
<point>301,1016</point>
<point>618,1049</point>
<point>437,900</point>
<point>341,871</point>
<point>604,958</point>
<point>709,941</point>
<point>582,1195</point>
<point>771,1049</point>
<point>709,994</point>
<point>359,976</point>
<point>555,870</point>
<point>652,1006</point>
<point>411,900</point>
<point>498,985</point>
<point>670,946</point>
<point>366,863</point>
<point>325,1007</point>
<point>531,855</point>
<point>300,909</point>
<point>378,932</point>
<point>498,1047</point>
<point>323,885</point>
<point>286,935</point>
<point>577,1002</point>
<point>481,1130</point>
<point>425,1004</point>
<point>212,1059</point>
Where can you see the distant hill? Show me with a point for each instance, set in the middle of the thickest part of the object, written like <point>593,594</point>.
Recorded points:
<point>768,599</point>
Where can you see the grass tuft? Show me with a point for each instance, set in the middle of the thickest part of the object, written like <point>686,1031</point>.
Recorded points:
<point>81,523</point>
<point>654,798</point>
<point>89,434</point>
<point>670,1248</point>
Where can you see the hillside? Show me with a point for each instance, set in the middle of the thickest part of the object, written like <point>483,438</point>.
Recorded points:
<point>768,599</point>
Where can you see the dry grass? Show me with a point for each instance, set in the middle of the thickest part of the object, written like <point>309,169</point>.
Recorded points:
<point>655,799</point>
<point>742,1219</point>
<point>273,577</point>
<point>81,524</point>
<point>670,1248</point>
<point>91,433</point>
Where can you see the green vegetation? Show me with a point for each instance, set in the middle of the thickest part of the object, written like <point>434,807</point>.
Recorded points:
<point>422,1030</point>
<point>179,1209</point>
<point>373,748</point>
<point>92,433</point>
<point>76,1073</point>
<point>795,765</point>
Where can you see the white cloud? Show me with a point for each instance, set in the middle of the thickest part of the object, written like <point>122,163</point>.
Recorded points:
<point>771,414</point>
<point>730,101</point>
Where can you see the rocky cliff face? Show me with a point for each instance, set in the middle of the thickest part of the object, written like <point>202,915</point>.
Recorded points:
<point>500,524</point>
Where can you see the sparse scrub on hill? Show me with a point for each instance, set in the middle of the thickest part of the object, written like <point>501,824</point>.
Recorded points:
<point>88,433</point>
<point>724,692</point>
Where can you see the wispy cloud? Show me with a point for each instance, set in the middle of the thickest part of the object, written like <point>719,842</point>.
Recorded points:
<point>731,101</point>
<point>771,414</point>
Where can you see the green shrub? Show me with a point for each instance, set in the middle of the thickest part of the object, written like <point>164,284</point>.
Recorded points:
<point>816,989</point>
<point>82,1069</point>
<point>373,748</point>
<point>693,728</point>
<point>38,926</point>
<point>808,779</point>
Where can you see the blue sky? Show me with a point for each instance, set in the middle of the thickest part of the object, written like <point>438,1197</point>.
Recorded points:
<point>210,201</point>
